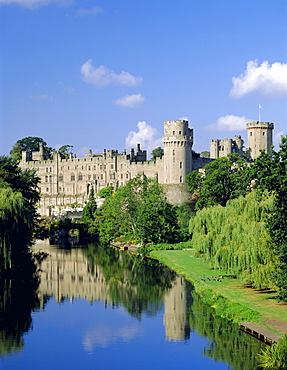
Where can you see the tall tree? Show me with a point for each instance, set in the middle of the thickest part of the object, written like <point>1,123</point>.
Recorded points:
<point>29,144</point>
<point>18,198</point>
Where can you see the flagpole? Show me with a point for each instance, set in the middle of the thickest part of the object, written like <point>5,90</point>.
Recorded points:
<point>259,112</point>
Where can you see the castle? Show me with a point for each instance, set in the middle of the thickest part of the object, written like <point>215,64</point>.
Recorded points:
<point>66,182</point>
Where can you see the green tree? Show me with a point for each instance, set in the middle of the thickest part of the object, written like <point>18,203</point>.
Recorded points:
<point>106,192</point>
<point>18,197</point>
<point>223,179</point>
<point>205,154</point>
<point>65,151</point>
<point>90,208</point>
<point>138,211</point>
<point>28,144</point>
<point>157,153</point>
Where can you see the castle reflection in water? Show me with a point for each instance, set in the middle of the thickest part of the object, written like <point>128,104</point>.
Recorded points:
<point>68,275</point>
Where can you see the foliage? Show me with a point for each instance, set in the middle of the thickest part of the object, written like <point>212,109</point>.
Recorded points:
<point>65,151</point>
<point>205,154</point>
<point>18,198</point>
<point>184,213</point>
<point>224,178</point>
<point>157,153</point>
<point>90,208</point>
<point>222,237</point>
<point>28,144</point>
<point>275,357</point>
<point>106,192</point>
<point>139,211</point>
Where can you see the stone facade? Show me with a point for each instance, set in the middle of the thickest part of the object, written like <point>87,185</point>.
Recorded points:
<point>67,181</point>
<point>221,148</point>
<point>259,138</point>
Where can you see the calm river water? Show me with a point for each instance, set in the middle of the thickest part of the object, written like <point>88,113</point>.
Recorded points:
<point>98,308</point>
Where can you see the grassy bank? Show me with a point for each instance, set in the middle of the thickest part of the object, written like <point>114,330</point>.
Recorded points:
<point>229,297</point>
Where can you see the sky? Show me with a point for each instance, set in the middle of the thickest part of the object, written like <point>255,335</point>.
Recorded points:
<point>106,74</point>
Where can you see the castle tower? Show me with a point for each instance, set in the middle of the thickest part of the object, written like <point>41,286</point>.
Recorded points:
<point>259,137</point>
<point>177,142</point>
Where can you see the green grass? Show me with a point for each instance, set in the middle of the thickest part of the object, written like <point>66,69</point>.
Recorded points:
<point>230,297</point>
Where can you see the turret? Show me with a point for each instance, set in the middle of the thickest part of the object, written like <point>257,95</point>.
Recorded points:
<point>177,142</point>
<point>259,137</point>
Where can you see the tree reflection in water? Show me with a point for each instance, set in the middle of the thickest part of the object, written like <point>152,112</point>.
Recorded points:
<point>141,286</point>
<point>18,299</point>
<point>225,342</point>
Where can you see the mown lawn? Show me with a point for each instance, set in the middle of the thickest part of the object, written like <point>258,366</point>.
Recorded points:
<point>273,315</point>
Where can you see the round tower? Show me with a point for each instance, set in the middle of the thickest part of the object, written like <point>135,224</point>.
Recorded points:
<point>177,143</point>
<point>259,137</point>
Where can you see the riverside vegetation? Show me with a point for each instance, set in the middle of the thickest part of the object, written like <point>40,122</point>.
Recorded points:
<point>236,220</point>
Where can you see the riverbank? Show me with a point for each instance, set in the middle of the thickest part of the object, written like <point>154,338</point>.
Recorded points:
<point>229,297</point>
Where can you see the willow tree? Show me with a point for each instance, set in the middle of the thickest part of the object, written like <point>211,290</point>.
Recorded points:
<point>235,238</point>
<point>18,198</point>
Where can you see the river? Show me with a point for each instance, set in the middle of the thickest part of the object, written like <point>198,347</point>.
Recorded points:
<point>97,308</point>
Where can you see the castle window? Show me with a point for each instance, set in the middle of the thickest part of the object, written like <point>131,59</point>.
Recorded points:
<point>82,167</point>
<point>179,133</point>
<point>180,164</point>
<point>101,176</point>
<point>122,175</point>
<point>47,170</point>
<point>127,175</point>
<point>61,177</point>
<point>80,176</point>
<point>46,178</point>
<point>89,167</point>
<point>250,133</point>
<point>50,178</point>
<point>263,133</point>
<point>112,166</point>
<point>94,167</point>
<point>47,189</point>
<point>180,179</point>
<point>68,167</point>
<point>173,132</point>
<point>72,176</point>
<point>50,169</point>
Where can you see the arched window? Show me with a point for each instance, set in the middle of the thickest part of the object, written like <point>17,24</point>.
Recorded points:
<point>61,177</point>
<point>80,176</point>
<point>72,176</point>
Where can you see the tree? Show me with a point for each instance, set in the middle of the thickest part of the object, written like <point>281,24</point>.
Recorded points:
<point>157,153</point>
<point>205,154</point>
<point>90,208</point>
<point>139,212</point>
<point>65,151</point>
<point>106,192</point>
<point>18,197</point>
<point>28,144</point>
<point>223,179</point>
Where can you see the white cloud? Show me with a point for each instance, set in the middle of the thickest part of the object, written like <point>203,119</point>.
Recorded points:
<point>42,98</point>
<point>147,136</point>
<point>229,123</point>
<point>92,11</point>
<point>130,101</point>
<point>102,76</point>
<point>270,80</point>
<point>69,90</point>
<point>34,3</point>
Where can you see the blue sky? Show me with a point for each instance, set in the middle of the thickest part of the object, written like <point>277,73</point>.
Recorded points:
<point>101,74</point>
